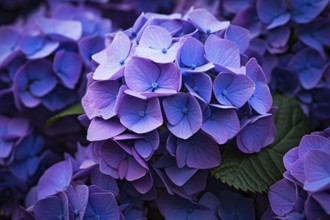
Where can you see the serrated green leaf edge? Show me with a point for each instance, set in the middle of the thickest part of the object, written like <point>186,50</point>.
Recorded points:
<point>75,109</point>
<point>257,172</point>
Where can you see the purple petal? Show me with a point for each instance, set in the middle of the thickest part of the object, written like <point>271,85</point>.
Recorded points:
<point>57,178</point>
<point>52,207</point>
<point>308,64</point>
<point>311,142</point>
<point>233,89</point>
<point>100,129</point>
<point>183,114</point>
<point>273,13</point>
<point>317,171</point>
<point>104,97</point>
<point>68,29</point>
<point>192,53</point>
<point>156,38</point>
<point>202,153</point>
<point>221,125</point>
<point>206,22</point>
<point>68,66</point>
<point>134,171</point>
<point>222,52</point>
<point>282,197</point>
<point>78,198</point>
<point>200,86</point>
<point>140,116</point>
<point>102,205</point>
<point>179,176</point>
<point>166,55</point>
<point>265,127</point>
<point>238,35</point>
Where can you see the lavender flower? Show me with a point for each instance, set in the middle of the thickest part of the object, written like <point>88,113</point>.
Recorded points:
<point>303,191</point>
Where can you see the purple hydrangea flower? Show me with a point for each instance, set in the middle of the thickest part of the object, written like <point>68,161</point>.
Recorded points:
<point>157,45</point>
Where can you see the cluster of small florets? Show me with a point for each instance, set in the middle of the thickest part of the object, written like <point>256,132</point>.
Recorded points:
<point>170,90</point>
<point>290,41</point>
<point>304,191</point>
<point>43,57</point>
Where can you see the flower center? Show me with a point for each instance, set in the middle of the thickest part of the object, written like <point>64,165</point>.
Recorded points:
<point>208,31</point>
<point>121,62</point>
<point>224,92</point>
<point>164,50</point>
<point>193,66</point>
<point>154,86</point>
<point>184,110</point>
<point>195,88</point>
<point>142,114</point>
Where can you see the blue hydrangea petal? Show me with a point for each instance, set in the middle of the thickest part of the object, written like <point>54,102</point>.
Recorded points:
<point>201,152</point>
<point>233,89</point>
<point>206,22</point>
<point>238,35</point>
<point>140,116</point>
<point>9,43</point>
<point>146,146</point>
<point>60,29</point>
<point>167,55</point>
<point>52,207</point>
<point>221,124</point>
<point>317,171</point>
<point>68,66</point>
<point>273,13</point>
<point>56,178</point>
<point>179,176</point>
<point>78,199</point>
<point>192,53</point>
<point>222,52</point>
<point>200,86</point>
<point>249,143</point>
<point>311,142</point>
<point>156,38</point>
<point>100,129</point>
<point>282,197</point>
<point>306,10</point>
<point>183,114</point>
<point>104,95</point>
<point>102,205</point>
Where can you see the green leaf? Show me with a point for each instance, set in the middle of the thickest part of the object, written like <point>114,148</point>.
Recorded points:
<point>75,109</point>
<point>257,172</point>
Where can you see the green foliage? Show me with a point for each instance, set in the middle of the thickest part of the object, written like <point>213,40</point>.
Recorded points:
<point>257,172</point>
<point>75,109</point>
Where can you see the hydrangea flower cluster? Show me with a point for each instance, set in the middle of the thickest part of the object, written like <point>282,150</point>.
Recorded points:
<point>167,92</point>
<point>43,65</point>
<point>289,40</point>
<point>304,191</point>
<point>23,158</point>
<point>76,188</point>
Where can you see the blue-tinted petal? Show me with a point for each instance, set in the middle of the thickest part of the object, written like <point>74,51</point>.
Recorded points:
<point>282,197</point>
<point>221,124</point>
<point>192,53</point>
<point>264,126</point>
<point>68,66</point>
<point>57,178</point>
<point>183,114</point>
<point>199,85</point>
<point>238,35</point>
<point>63,28</point>
<point>222,52</point>
<point>100,129</point>
<point>206,22</point>
<point>233,89</point>
<point>303,11</point>
<point>317,171</point>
